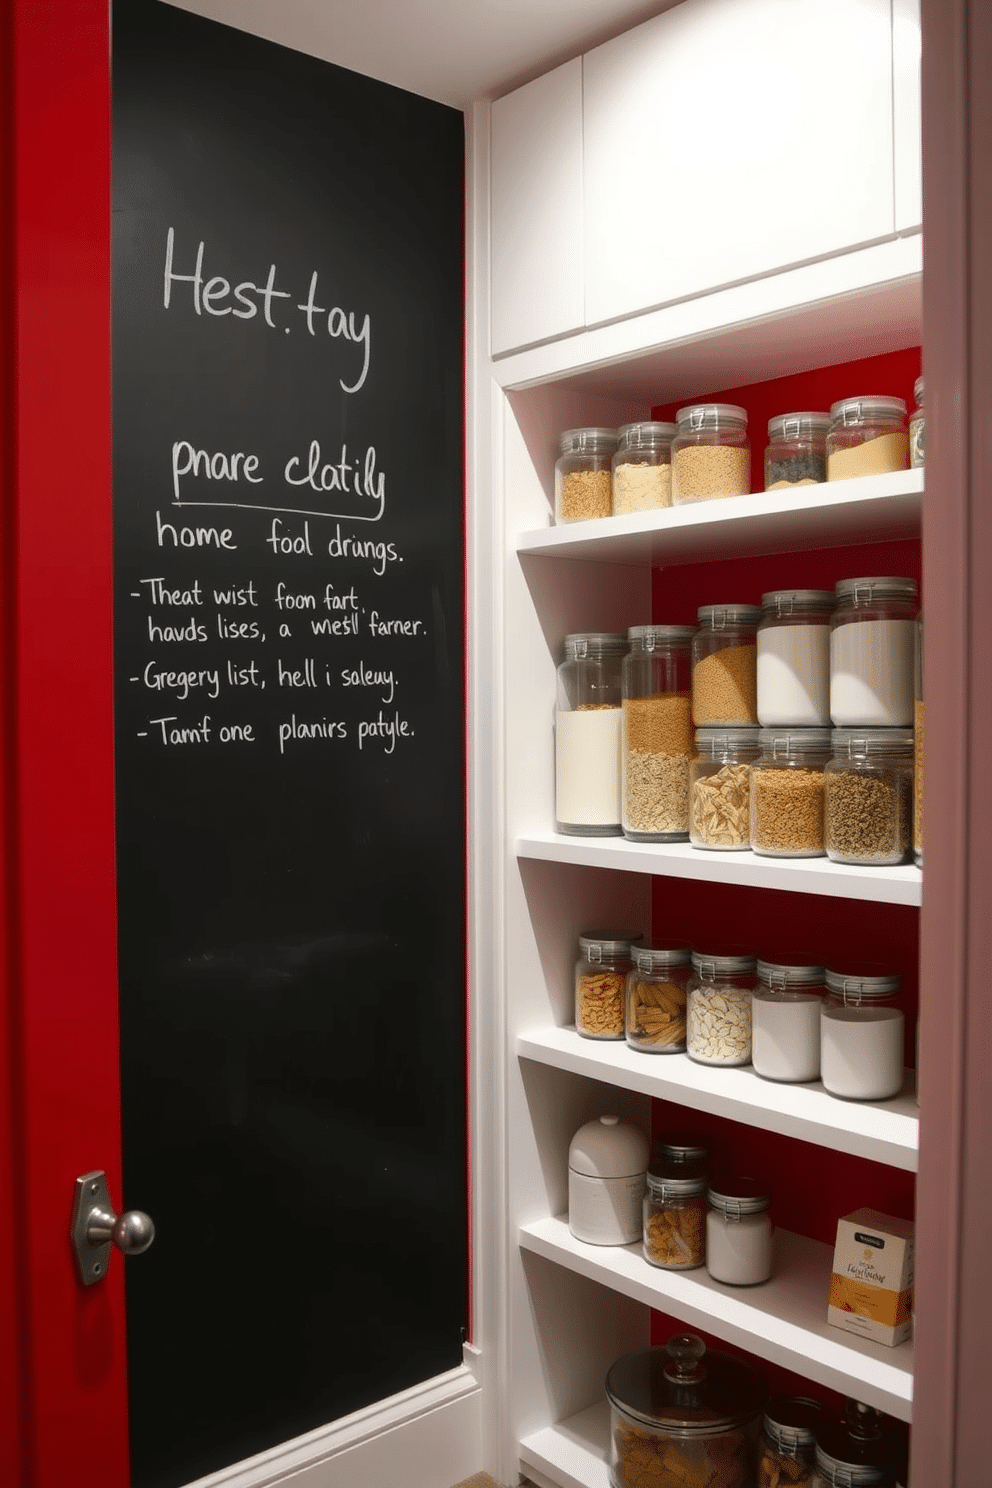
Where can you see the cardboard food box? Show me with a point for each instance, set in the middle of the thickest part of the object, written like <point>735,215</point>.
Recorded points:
<point>871,1289</point>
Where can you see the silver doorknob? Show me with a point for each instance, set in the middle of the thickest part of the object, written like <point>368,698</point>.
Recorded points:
<point>96,1227</point>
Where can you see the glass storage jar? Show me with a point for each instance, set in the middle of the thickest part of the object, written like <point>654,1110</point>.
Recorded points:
<point>918,743</point>
<point>867,796</point>
<point>788,1442</point>
<point>680,1147</point>
<point>656,996</point>
<point>685,1414</point>
<point>711,453</point>
<point>606,1164</point>
<point>720,788</point>
<point>862,1030</point>
<point>718,1027</point>
<point>856,1452</point>
<point>657,733</point>
<point>601,981</point>
<point>793,643</point>
<point>739,1231</point>
<point>675,1216</point>
<point>796,453</point>
<point>871,653</point>
<point>642,468</point>
<point>917,428</point>
<point>583,474</point>
<point>787,793</point>
<point>588,717</point>
<point>785,1021</point>
<point>724,666</point>
<point>867,436</point>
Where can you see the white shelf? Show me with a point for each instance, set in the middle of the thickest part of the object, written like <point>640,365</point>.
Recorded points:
<point>784,1320</point>
<point>884,1131</point>
<point>902,885</point>
<point>867,509</point>
<point>571,1454</point>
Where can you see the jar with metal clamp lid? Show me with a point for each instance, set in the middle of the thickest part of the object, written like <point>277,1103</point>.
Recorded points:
<point>675,1215</point>
<point>788,1442</point>
<point>785,1022</point>
<point>724,666</point>
<point>642,468</point>
<point>796,454</point>
<point>917,429</point>
<point>601,981</point>
<point>657,733</point>
<point>711,453</point>
<point>720,788</point>
<point>793,642</point>
<point>656,995</point>
<point>739,1231</point>
<point>588,717</point>
<point>871,653</point>
<point>718,1030</point>
<point>787,793</point>
<point>867,796</point>
<point>856,1452</point>
<point>867,436</point>
<point>862,1033</point>
<point>583,474</point>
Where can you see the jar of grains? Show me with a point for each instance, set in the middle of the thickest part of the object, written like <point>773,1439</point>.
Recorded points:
<point>583,474</point>
<point>787,793</point>
<point>675,1215</point>
<point>918,744</point>
<point>785,1022</point>
<point>587,735</point>
<point>657,733</point>
<point>861,1036</point>
<point>872,633</point>
<point>718,1024</point>
<point>917,428</point>
<point>601,981</point>
<point>787,1446</point>
<point>656,996</point>
<point>793,643</point>
<point>867,796</point>
<point>796,453</point>
<point>857,1452</point>
<point>867,436</point>
<point>739,1231</point>
<point>724,666</point>
<point>642,468</point>
<point>720,788</point>
<point>711,453</point>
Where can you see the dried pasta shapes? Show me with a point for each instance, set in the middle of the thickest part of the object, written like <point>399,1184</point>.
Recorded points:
<point>656,1015</point>
<point>720,808</point>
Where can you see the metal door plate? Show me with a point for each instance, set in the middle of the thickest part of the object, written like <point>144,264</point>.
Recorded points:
<point>92,1259</point>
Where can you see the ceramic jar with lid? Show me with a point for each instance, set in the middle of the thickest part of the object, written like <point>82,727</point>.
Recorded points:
<point>683,1413</point>
<point>724,666</point>
<point>917,429</point>
<point>871,653</point>
<point>642,468</point>
<point>675,1214</point>
<point>867,801</point>
<point>856,1452</point>
<point>787,793</point>
<point>583,474</point>
<point>867,436</point>
<point>606,1165</point>
<point>656,998</point>
<point>657,733</point>
<point>711,453</point>
<point>718,1030</point>
<point>785,1022</point>
<point>862,1029</point>
<point>739,1231</point>
<point>788,1442</point>
<point>588,718</point>
<point>720,788</point>
<point>601,981</point>
<point>793,642</point>
<point>796,454</point>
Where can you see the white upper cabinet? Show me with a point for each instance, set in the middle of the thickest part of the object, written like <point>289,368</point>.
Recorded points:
<point>907,114</point>
<point>536,165</point>
<point>723,141</point>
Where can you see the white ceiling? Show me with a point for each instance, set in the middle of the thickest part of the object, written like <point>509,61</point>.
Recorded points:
<point>454,51</point>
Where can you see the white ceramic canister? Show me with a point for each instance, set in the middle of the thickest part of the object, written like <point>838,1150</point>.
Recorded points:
<point>861,1036</point>
<point>794,658</point>
<point>607,1161</point>
<point>739,1231</point>
<point>785,1021</point>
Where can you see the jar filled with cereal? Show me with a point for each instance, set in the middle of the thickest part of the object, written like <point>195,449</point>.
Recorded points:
<point>868,787</point>
<point>675,1215</point>
<point>656,993</point>
<point>720,788</point>
<point>711,453</point>
<point>656,733</point>
<point>642,468</point>
<point>868,436</point>
<point>718,1025</point>
<point>601,981</point>
<point>725,666</point>
<point>787,785</point>
<point>583,474</point>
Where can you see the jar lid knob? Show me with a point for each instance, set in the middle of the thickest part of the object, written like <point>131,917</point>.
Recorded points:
<point>685,1353</point>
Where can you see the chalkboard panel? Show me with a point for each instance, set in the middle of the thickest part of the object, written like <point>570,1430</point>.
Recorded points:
<point>288,269</point>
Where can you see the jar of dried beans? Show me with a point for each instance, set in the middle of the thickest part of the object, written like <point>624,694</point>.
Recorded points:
<point>785,1021</point>
<point>871,653</point>
<point>583,474</point>
<point>793,643</point>
<point>656,993</point>
<point>720,788</point>
<point>601,981</point>
<point>917,429</point>
<point>711,453</point>
<point>657,733</point>
<point>796,453</point>
<point>862,1032</point>
<point>738,1231</point>
<point>868,787</point>
<point>642,468</point>
<point>675,1216</point>
<point>587,735</point>
<point>788,1442</point>
<point>918,744</point>
<point>868,436</point>
<point>724,666</point>
<point>787,793</point>
<point>718,1026</point>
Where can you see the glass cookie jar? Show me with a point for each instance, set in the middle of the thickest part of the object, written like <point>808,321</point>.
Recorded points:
<point>583,474</point>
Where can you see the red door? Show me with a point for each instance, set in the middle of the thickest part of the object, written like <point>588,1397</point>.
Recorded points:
<point>62,1401</point>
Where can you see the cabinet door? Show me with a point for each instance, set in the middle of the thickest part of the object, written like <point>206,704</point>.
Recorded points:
<point>723,141</point>
<point>536,228</point>
<point>906,114</point>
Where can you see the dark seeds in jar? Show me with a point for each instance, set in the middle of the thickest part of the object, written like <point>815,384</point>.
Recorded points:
<point>795,470</point>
